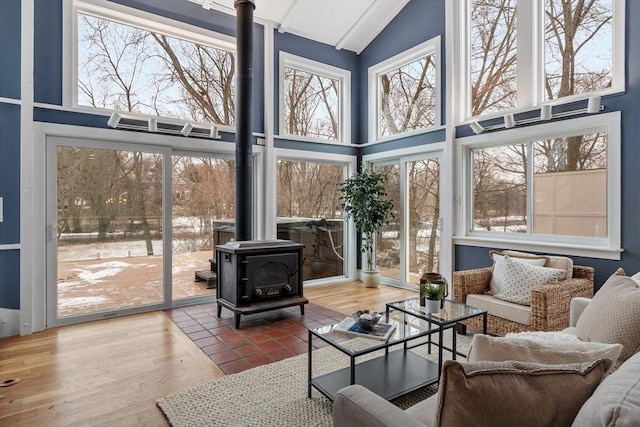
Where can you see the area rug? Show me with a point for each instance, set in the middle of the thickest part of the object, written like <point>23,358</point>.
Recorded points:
<point>275,394</point>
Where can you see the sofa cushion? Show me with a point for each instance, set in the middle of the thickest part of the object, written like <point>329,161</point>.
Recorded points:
<point>612,316</point>
<point>616,401</point>
<point>520,279</point>
<point>503,309</point>
<point>553,261</point>
<point>506,393</point>
<point>535,350</point>
<point>424,411</point>
<point>497,275</point>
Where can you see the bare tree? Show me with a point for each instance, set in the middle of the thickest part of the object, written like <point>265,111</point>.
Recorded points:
<point>311,104</point>
<point>408,97</point>
<point>572,27</point>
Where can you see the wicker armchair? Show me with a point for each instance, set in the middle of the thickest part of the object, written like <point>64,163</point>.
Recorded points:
<point>549,303</point>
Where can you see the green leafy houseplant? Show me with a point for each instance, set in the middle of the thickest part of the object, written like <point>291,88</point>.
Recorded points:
<point>431,291</point>
<point>363,200</point>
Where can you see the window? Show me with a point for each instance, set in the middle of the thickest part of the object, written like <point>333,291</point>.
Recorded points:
<point>568,50</point>
<point>314,99</point>
<point>556,183</point>
<point>132,64</point>
<point>404,92</point>
<point>309,212</point>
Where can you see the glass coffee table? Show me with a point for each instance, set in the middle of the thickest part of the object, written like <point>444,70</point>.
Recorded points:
<point>449,315</point>
<point>394,373</point>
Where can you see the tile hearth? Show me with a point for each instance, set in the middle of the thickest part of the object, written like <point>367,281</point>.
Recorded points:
<point>262,338</point>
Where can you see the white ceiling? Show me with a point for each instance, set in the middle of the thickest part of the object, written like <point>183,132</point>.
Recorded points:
<point>345,24</point>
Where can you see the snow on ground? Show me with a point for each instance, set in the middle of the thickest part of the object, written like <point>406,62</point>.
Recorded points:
<point>70,303</point>
<point>111,275</point>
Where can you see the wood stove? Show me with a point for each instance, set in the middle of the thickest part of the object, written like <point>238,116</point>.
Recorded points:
<point>256,276</point>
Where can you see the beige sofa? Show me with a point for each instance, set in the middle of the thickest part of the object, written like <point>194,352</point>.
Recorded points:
<point>614,401</point>
<point>548,309</point>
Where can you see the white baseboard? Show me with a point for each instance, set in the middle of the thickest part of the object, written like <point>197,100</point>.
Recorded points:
<point>9,322</point>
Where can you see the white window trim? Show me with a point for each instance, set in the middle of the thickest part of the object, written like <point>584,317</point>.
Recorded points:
<point>127,16</point>
<point>607,248</point>
<point>344,94</point>
<point>531,57</point>
<point>430,47</point>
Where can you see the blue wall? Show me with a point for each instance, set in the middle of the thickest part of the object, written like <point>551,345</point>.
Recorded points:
<point>419,21</point>
<point>10,40</point>
<point>10,152</point>
<point>10,190</point>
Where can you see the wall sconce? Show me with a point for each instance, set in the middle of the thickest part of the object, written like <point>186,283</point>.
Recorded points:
<point>593,106</point>
<point>476,128</point>
<point>186,129</point>
<point>546,113</point>
<point>153,124</point>
<point>114,120</point>
<point>509,120</point>
<point>165,126</point>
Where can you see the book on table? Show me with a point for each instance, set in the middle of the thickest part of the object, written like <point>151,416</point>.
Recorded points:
<point>381,331</point>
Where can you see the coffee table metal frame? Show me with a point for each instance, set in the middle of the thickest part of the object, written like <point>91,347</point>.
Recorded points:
<point>391,375</point>
<point>447,318</point>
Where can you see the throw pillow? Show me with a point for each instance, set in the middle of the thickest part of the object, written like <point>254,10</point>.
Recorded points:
<point>613,315</point>
<point>636,278</point>
<point>514,393</point>
<point>495,349</point>
<point>554,261</point>
<point>616,401</point>
<point>497,276</point>
<point>520,278</point>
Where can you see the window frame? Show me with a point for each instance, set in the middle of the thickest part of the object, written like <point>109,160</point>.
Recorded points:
<point>343,76</point>
<point>608,247</point>
<point>530,60</point>
<point>135,18</point>
<point>431,46</point>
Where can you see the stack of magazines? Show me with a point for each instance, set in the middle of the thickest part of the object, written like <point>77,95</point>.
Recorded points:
<point>381,331</point>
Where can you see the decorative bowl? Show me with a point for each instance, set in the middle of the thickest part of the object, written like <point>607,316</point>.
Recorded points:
<point>367,319</point>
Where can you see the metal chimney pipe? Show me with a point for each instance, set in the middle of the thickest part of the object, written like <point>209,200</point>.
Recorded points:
<point>244,79</point>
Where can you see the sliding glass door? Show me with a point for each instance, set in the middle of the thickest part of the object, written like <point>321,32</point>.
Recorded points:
<point>132,227</point>
<point>410,245</point>
<point>106,230</point>
<point>202,216</point>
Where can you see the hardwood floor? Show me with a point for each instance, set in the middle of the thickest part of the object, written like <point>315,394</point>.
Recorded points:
<point>111,372</point>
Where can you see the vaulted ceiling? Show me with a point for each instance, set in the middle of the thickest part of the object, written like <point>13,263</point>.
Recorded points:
<point>345,24</point>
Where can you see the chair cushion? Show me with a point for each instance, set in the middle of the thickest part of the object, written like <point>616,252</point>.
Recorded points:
<point>506,393</point>
<point>520,279</point>
<point>553,261</point>
<point>612,316</point>
<point>616,401</point>
<point>503,309</point>
<point>497,275</point>
<point>537,350</point>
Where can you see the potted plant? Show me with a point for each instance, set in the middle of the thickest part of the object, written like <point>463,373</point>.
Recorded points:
<point>430,296</point>
<point>363,201</point>
<point>319,228</point>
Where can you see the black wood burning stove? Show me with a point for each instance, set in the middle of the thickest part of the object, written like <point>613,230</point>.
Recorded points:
<point>256,276</point>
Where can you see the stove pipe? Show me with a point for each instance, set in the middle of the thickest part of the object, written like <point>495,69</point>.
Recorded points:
<point>244,63</point>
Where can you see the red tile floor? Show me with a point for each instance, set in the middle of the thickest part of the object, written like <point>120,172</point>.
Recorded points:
<point>262,338</point>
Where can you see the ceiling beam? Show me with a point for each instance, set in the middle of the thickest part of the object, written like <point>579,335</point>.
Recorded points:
<point>291,14</point>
